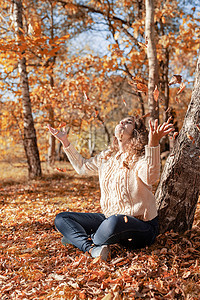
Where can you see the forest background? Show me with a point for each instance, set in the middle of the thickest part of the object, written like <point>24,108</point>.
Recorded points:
<point>84,65</point>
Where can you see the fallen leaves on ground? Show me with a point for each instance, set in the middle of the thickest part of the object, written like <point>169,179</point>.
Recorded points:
<point>35,265</point>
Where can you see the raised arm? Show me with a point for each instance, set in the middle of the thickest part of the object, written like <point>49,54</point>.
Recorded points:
<point>149,167</point>
<point>157,132</point>
<point>81,165</point>
<point>61,135</point>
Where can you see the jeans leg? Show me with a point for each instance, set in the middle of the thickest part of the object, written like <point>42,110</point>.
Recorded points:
<point>126,230</point>
<point>77,227</point>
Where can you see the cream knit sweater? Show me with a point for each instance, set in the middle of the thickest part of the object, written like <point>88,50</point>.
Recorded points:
<point>123,191</point>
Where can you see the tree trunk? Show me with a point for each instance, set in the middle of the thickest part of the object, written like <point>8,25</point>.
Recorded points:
<point>152,58</point>
<point>52,140</point>
<point>164,70</point>
<point>178,191</point>
<point>92,139</point>
<point>29,138</point>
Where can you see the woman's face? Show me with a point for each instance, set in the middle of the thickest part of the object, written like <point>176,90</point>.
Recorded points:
<point>125,128</point>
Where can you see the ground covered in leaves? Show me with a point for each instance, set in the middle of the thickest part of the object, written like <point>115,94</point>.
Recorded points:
<point>35,265</point>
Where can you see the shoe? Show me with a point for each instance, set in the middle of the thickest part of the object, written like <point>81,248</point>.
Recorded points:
<point>101,251</point>
<point>65,241</point>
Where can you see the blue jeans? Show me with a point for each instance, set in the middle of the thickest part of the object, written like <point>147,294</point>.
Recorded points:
<point>84,230</point>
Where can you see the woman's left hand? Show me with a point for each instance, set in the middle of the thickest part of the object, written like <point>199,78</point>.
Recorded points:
<point>156,131</point>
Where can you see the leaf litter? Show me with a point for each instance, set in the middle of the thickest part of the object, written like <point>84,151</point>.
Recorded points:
<point>35,265</point>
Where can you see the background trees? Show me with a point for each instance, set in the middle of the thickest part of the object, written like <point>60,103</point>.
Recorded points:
<point>88,86</point>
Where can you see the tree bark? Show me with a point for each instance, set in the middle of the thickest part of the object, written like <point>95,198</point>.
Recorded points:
<point>152,58</point>
<point>29,136</point>
<point>178,191</point>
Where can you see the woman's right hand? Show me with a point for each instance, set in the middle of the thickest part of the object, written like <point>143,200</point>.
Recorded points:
<point>60,135</point>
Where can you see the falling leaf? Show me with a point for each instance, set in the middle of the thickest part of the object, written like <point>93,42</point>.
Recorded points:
<point>163,19</point>
<point>177,100</point>
<point>175,79</point>
<point>146,115</point>
<point>156,93</point>
<point>181,88</point>
<point>125,219</point>
<point>124,102</point>
<point>142,45</point>
<point>167,110</point>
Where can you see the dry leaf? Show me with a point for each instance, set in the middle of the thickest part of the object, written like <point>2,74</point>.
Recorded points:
<point>142,45</point>
<point>124,102</point>
<point>156,93</point>
<point>146,115</point>
<point>181,88</point>
<point>175,79</point>
<point>167,109</point>
<point>177,100</point>
<point>125,219</point>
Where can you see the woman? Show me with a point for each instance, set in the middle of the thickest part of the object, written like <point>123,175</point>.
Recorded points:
<point>126,172</point>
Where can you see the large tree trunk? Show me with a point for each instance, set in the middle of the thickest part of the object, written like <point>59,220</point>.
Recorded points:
<point>178,191</point>
<point>29,139</point>
<point>152,58</point>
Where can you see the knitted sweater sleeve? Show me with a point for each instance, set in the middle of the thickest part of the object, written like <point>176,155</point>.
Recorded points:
<point>148,169</point>
<point>82,165</point>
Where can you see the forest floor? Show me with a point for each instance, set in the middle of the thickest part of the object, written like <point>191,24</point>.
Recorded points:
<point>35,265</point>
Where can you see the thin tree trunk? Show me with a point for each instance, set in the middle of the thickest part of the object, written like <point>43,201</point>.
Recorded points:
<point>152,58</point>
<point>92,139</point>
<point>52,143</point>
<point>29,138</point>
<point>164,70</point>
<point>52,140</point>
<point>178,191</point>
<point>166,84</point>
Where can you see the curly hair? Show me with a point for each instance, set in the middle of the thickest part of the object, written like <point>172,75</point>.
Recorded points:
<point>137,143</point>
